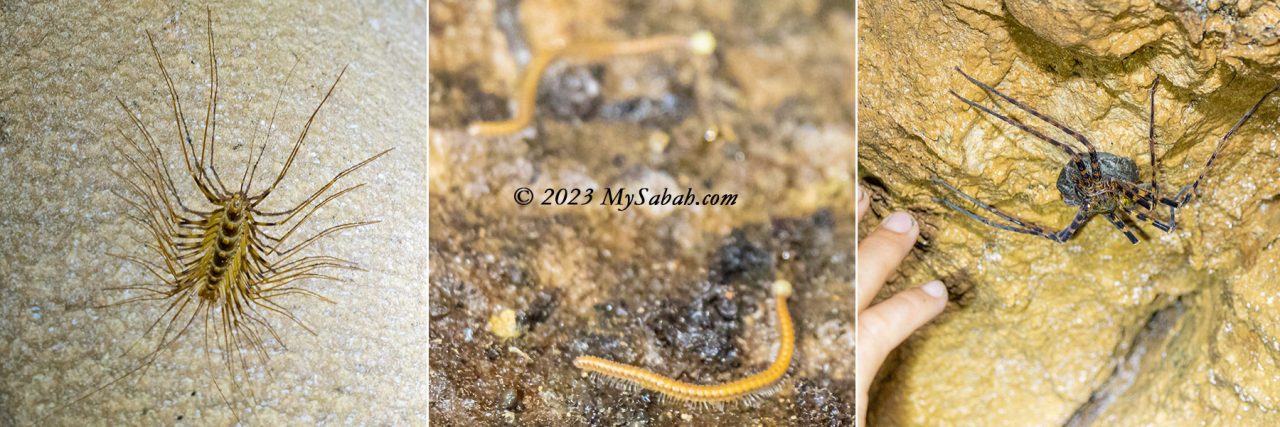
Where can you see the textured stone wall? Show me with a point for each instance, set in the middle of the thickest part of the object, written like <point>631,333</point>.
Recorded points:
<point>1179,329</point>
<point>676,289</point>
<point>64,65</point>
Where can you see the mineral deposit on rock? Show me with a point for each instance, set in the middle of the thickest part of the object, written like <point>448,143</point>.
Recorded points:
<point>1178,330</point>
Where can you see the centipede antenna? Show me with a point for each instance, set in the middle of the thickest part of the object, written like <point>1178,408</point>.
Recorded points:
<point>211,115</point>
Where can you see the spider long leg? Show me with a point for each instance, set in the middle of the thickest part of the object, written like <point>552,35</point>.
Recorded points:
<point>1023,226</point>
<point>1093,152</point>
<point>1151,141</point>
<point>1075,157</point>
<point>1142,216</point>
<point>985,206</point>
<point>987,221</point>
<point>1185,194</point>
<point>1145,204</point>
<point>1115,220</point>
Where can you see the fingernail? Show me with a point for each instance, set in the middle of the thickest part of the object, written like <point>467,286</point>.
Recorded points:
<point>899,222</point>
<point>935,289</point>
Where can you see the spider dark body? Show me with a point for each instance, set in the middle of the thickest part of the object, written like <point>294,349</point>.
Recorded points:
<point>1098,183</point>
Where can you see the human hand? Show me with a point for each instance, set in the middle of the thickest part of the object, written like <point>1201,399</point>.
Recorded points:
<point>883,327</point>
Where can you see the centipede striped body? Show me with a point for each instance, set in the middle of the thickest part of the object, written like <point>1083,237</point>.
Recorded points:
<point>628,376</point>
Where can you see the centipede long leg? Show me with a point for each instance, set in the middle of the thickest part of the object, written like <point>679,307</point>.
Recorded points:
<point>297,145</point>
<point>207,137</point>
<point>194,168</point>
<point>297,208</point>
<point>159,158</point>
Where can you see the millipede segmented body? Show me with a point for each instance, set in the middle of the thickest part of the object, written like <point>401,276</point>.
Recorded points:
<point>753,385</point>
<point>700,43</point>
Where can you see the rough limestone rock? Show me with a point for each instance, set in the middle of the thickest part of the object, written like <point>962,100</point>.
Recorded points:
<point>1180,329</point>
<point>65,63</point>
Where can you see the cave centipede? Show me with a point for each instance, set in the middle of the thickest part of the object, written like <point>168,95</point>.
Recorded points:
<point>222,263</point>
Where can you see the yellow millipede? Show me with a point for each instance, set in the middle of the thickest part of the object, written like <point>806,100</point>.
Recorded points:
<point>629,376</point>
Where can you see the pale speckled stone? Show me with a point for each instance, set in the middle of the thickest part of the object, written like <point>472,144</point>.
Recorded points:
<point>66,63</point>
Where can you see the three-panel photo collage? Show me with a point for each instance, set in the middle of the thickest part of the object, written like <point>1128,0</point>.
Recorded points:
<point>619,213</point>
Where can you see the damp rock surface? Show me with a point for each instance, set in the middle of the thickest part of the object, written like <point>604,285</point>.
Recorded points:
<point>1037,330</point>
<point>680,290</point>
<point>66,64</point>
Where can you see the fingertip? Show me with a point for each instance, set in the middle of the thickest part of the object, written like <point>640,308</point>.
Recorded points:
<point>937,292</point>
<point>881,251</point>
<point>900,222</point>
<point>935,289</point>
<point>891,321</point>
<point>930,299</point>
